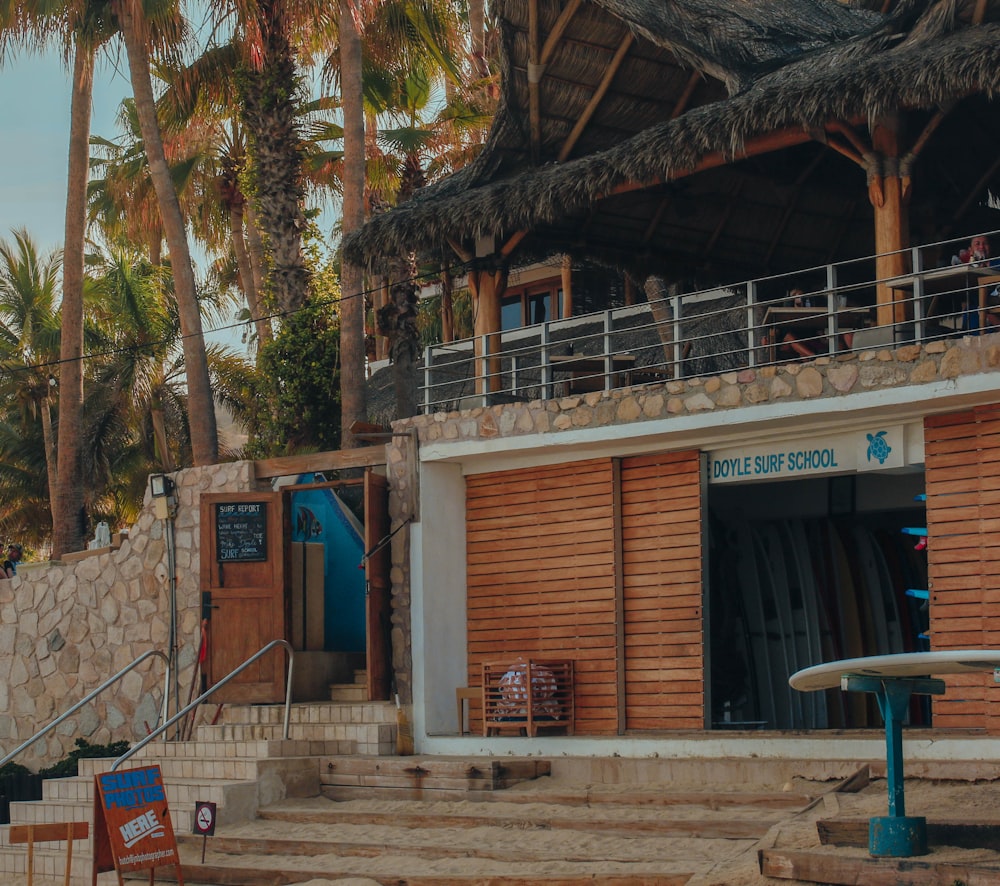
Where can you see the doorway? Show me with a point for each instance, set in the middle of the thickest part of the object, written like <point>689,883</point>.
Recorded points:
<point>806,571</point>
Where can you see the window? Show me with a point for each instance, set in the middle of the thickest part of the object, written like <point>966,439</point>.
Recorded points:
<point>530,306</point>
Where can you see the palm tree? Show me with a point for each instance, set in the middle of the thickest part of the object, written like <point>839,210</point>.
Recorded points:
<point>81,27</point>
<point>138,36</point>
<point>354,406</point>
<point>29,337</point>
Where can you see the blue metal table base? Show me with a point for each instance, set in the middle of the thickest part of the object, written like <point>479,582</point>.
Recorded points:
<point>896,835</point>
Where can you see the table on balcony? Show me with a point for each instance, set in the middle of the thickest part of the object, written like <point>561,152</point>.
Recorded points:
<point>808,322</point>
<point>949,287</point>
<point>591,373</point>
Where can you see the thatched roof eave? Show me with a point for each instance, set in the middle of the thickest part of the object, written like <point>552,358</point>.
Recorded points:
<point>864,80</point>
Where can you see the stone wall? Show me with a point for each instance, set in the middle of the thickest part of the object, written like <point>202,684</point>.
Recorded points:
<point>66,626</point>
<point>824,377</point>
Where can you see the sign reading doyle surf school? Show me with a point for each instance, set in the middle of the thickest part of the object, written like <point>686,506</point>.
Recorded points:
<point>132,829</point>
<point>876,449</point>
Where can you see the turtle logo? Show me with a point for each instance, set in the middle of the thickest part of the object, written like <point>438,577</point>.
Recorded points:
<point>878,447</point>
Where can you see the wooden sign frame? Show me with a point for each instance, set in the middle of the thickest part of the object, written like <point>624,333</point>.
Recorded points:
<point>132,826</point>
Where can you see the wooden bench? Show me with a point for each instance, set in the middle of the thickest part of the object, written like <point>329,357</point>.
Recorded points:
<point>58,831</point>
<point>528,695</point>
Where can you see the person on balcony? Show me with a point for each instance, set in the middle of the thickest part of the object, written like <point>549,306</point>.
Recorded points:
<point>789,344</point>
<point>976,254</point>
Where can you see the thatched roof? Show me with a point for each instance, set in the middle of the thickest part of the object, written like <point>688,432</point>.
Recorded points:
<point>701,82</point>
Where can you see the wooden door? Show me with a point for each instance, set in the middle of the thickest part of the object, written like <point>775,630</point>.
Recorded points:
<point>243,583</point>
<point>378,589</point>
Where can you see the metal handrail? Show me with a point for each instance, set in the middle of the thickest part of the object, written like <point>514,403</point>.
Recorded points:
<point>192,705</point>
<point>90,696</point>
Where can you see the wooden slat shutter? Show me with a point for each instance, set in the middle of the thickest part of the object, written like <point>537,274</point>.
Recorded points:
<point>962,459</point>
<point>541,576</point>
<point>662,557</point>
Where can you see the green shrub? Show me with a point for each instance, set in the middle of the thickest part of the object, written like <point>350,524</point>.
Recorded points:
<point>70,765</point>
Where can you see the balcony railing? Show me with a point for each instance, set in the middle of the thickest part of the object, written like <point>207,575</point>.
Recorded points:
<point>840,308</point>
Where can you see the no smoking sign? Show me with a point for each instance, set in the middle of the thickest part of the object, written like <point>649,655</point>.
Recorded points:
<point>204,818</point>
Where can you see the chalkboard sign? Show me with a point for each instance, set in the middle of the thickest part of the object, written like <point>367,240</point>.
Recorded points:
<point>241,532</point>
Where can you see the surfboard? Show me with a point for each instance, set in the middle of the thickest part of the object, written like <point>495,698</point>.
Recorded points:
<point>804,620</point>
<point>780,586</point>
<point>822,575</point>
<point>905,664</point>
<point>760,663</point>
<point>774,623</point>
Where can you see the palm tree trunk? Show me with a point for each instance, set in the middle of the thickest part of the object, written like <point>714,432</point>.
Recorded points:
<point>201,407</point>
<point>65,481</point>
<point>477,25</point>
<point>269,116</point>
<point>49,441</point>
<point>353,401</point>
<point>245,268</point>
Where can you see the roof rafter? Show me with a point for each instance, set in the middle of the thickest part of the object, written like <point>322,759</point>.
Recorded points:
<point>597,97</point>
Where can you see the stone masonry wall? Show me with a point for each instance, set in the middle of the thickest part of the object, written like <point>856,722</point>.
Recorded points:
<point>824,377</point>
<point>66,626</point>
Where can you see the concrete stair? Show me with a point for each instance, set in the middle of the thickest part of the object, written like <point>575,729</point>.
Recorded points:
<point>351,692</point>
<point>506,822</point>
<point>241,764</point>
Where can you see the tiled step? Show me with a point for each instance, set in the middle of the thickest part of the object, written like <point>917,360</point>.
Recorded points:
<point>321,713</point>
<point>348,692</point>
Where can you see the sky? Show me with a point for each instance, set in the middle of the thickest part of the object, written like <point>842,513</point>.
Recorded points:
<point>34,140</point>
<point>34,145</point>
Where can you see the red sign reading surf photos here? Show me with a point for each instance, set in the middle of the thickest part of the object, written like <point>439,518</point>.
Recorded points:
<point>132,807</point>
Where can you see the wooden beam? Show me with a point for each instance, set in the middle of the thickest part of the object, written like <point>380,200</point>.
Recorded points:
<point>924,136</point>
<point>764,144</point>
<point>852,136</point>
<point>824,867</point>
<point>980,13</point>
<point>654,222</point>
<point>337,460</point>
<point>965,834</point>
<point>597,97</point>
<point>680,106</point>
<point>557,31</point>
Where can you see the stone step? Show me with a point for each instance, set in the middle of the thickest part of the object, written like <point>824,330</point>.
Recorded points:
<point>72,799</point>
<point>298,775</point>
<point>348,692</point>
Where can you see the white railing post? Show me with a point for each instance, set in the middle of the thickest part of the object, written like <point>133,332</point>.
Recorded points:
<point>545,374</point>
<point>428,357</point>
<point>609,360</point>
<point>675,306</point>
<point>832,309</point>
<point>917,259</point>
<point>752,330</point>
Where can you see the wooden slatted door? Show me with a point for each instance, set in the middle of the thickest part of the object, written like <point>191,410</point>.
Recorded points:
<point>663,617</point>
<point>244,573</point>
<point>962,461</point>
<point>541,545</point>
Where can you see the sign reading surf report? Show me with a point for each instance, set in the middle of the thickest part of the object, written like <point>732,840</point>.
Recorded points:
<point>132,829</point>
<point>878,449</point>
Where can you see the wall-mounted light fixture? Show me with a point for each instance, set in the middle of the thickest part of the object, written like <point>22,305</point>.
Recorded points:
<point>161,488</point>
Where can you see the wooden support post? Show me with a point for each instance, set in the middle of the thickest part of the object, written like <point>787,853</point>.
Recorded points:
<point>487,331</point>
<point>892,234</point>
<point>566,309</point>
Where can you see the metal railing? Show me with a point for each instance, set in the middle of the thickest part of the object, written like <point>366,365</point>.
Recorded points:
<point>850,306</point>
<point>92,695</point>
<point>233,673</point>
